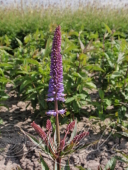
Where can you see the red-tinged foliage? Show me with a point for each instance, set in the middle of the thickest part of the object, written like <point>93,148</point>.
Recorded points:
<point>71,126</point>
<point>62,144</point>
<point>49,125</point>
<point>77,138</point>
<point>40,131</point>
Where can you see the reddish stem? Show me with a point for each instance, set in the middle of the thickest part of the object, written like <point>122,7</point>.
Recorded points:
<point>58,135</point>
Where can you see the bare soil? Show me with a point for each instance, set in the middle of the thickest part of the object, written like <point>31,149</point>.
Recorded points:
<point>16,150</point>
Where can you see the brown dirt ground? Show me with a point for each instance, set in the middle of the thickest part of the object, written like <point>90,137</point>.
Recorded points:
<point>16,150</point>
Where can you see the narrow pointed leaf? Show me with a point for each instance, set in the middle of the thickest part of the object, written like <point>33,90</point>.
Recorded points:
<point>44,166</point>
<point>67,167</point>
<point>55,165</point>
<point>74,132</point>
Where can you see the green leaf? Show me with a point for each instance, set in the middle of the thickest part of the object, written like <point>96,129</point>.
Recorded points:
<point>83,57</point>
<point>125,156</point>
<point>93,117</point>
<point>77,75</point>
<point>120,58</point>
<point>67,167</point>
<point>111,164</point>
<point>48,47</point>
<point>101,94</point>
<point>90,85</point>
<point>109,60</point>
<point>18,168</point>
<point>70,47</point>
<point>19,42</point>
<point>69,99</point>
<point>68,149</point>
<point>123,133</point>
<point>77,63</point>
<point>81,44</point>
<point>116,74</point>
<point>1,121</point>
<point>107,102</point>
<point>1,72</point>
<point>27,38</point>
<point>24,84</point>
<point>31,137</point>
<point>126,115</point>
<point>125,95</point>
<point>72,32</point>
<point>44,166</point>
<point>94,67</point>
<point>80,96</point>
<point>80,168</point>
<point>119,33</point>
<point>5,48</point>
<point>22,72</point>
<point>107,28</point>
<point>94,36</point>
<point>32,61</point>
<point>6,65</point>
<point>37,142</point>
<point>4,80</point>
<point>50,149</point>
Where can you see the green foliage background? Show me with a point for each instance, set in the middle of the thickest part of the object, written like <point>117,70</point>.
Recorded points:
<point>95,58</point>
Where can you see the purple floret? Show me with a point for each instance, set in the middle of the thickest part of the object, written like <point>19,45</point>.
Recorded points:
<point>62,111</point>
<point>51,112</point>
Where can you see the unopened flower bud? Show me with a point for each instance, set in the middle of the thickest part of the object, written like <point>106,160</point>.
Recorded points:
<point>40,131</point>
<point>62,144</point>
<point>71,126</point>
<point>49,125</point>
<point>79,137</point>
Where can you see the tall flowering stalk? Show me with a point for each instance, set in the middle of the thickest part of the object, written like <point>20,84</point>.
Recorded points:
<point>56,88</point>
<point>55,94</point>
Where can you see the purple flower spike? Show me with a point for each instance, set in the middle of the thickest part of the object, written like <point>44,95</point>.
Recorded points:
<point>56,88</point>
<point>51,112</point>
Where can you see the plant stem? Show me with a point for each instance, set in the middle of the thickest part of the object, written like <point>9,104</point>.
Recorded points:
<point>58,134</point>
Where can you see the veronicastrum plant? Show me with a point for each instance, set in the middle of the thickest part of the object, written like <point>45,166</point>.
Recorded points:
<point>56,146</point>
<point>30,71</point>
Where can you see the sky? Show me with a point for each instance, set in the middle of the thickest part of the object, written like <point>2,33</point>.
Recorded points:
<point>72,2</point>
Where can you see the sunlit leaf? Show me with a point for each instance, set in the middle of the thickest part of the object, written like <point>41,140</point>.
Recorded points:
<point>107,28</point>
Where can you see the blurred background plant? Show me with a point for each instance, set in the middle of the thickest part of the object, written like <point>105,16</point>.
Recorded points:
<point>4,75</point>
